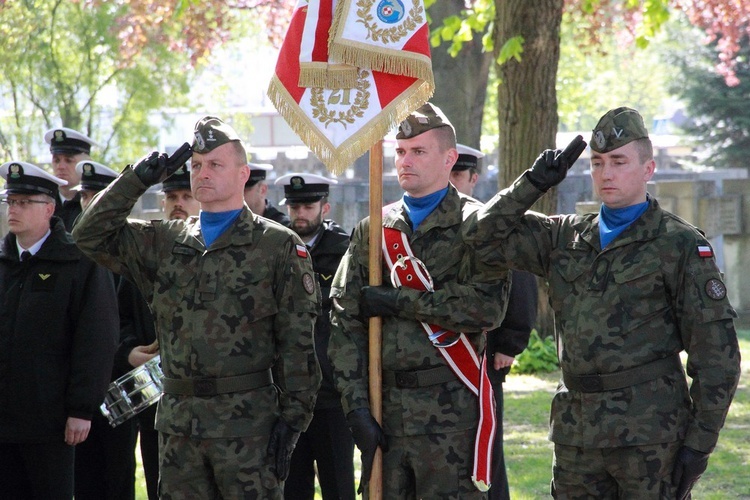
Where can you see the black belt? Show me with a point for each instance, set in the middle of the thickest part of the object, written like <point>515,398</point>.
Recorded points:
<point>624,378</point>
<point>419,378</point>
<point>205,387</point>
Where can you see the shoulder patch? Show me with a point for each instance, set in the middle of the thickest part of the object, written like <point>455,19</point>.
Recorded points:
<point>301,251</point>
<point>705,251</point>
<point>308,283</point>
<point>715,289</point>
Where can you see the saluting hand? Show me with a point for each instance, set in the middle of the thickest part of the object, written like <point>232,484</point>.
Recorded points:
<point>552,166</point>
<point>154,168</point>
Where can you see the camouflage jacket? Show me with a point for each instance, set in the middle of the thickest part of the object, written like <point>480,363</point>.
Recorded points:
<point>470,296</point>
<point>648,295</point>
<point>246,304</point>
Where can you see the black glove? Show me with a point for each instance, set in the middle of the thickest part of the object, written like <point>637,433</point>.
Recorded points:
<point>688,467</point>
<point>155,167</point>
<point>280,447</point>
<point>368,435</point>
<point>552,166</point>
<point>378,301</point>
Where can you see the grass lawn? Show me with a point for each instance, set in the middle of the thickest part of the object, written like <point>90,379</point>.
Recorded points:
<point>528,454</point>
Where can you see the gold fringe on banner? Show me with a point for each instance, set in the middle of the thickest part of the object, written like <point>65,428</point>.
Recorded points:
<point>388,61</point>
<point>327,76</point>
<point>376,54</point>
<point>338,159</point>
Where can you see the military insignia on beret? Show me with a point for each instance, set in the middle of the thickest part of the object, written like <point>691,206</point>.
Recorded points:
<point>406,128</point>
<point>599,139</point>
<point>716,289</point>
<point>15,171</point>
<point>211,137</point>
<point>59,136</point>
<point>308,283</point>
<point>199,142</point>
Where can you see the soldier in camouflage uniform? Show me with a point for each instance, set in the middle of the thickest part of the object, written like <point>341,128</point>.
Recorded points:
<point>233,296</point>
<point>631,286</point>
<point>429,416</point>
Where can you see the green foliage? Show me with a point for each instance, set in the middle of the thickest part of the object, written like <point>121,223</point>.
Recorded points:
<point>540,356</point>
<point>62,64</point>
<point>719,125</point>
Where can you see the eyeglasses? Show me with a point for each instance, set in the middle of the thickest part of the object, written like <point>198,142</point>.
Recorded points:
<point>22,203</point>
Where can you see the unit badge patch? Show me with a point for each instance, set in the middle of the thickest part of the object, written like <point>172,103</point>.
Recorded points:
<point>308,283</point>
<point>716,289</point>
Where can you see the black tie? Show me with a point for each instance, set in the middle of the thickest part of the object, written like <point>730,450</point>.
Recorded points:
<point>25,255</point>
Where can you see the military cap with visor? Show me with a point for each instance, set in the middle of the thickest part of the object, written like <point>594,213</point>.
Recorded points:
<point>467,158</point>
<point>304,188</point>
<point>67,141</point>
<point>617,128</point>
<point>427,117</point>
<point>26,178</point>
<point>180,179</point>
<point>258,173</point>
<point>210,133</point>
<point>94,176</point>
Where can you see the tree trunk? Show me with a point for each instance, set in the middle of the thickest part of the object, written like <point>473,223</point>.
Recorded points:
<point>460,82</point>
<point>527,100</point>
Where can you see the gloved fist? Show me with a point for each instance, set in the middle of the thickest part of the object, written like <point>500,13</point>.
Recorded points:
<point>280,447</point>
<point>368,435</point>
<point>688,467</point>
<point>155,167</point>
<point>378,301</point>
<point>552,166</point>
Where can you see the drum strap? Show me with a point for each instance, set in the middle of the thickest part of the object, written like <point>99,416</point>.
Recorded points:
<point>460,355</point>
<point>207,387</point>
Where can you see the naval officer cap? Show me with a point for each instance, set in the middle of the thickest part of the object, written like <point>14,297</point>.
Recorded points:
<point>67,141</point>
<point>26,178</point>
<point>210,133</point>
<point>304,188</point>
<point>258,173</point>
<point>180,179</point>
<point>427,117</point>
<point>616,128</point>
<point>467,158</point>
<point>94,176</point>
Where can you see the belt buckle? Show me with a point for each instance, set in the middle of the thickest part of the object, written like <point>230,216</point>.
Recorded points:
<point>417,267</point>
<point>592,383</point>
<point>204,387</point>
<point>406,380</point>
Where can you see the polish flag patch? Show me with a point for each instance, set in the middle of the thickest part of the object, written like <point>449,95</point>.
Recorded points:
<point>705,251</point>
<point>302,251</point>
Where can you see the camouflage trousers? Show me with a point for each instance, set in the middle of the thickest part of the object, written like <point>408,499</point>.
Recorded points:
<point>633,472</point>
<point>235,468</point>
<point>434,466</point>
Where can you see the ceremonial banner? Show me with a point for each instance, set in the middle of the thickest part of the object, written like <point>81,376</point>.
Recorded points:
<point>339,117</point>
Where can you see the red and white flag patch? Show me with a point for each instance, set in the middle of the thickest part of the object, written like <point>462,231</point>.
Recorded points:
<point>301,251</point>
<point>705,251</point>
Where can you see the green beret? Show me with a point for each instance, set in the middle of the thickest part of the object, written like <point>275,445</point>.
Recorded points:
<point>617,128</point>
<point>210,133</point>
<point>427,117</point>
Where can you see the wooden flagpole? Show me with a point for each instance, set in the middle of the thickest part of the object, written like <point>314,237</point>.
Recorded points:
<point>376,323</point>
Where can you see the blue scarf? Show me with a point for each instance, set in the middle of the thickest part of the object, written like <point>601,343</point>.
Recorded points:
<point>613,221</point>
<point>215,223</point>
<point>419,208</point>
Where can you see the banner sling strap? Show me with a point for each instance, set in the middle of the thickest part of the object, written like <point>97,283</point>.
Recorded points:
<point>407,270</point>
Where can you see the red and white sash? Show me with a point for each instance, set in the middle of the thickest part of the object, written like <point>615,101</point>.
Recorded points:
<point>407,270</point>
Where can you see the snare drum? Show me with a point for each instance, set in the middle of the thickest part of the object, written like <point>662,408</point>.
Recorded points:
<point>133,392</point>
